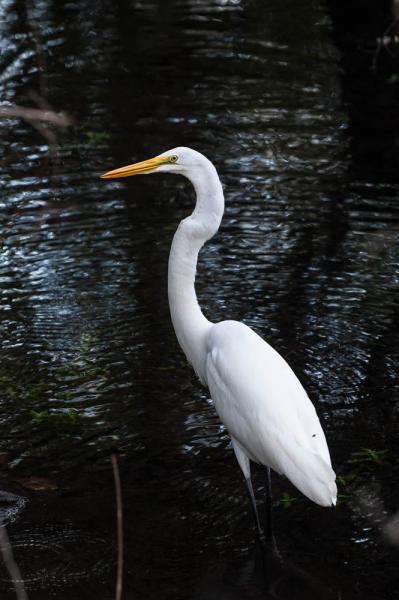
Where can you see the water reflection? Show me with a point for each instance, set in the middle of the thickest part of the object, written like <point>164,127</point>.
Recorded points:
<point>306,255</point>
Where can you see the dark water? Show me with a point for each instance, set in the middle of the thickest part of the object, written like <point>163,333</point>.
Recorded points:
<point>307,255</point>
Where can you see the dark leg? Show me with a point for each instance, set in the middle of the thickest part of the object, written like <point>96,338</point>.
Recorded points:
<point>261,550</point>
<point>270,539</point>
<point>254,509</point>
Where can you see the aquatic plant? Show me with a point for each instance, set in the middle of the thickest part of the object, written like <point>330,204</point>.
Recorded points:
<point>56,417</point>
<point>286,501</point>
<point>366,455</point>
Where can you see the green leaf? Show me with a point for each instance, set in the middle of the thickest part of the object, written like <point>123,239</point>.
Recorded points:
<point>368,454</point>
<point>286,500</point>
<point>40,415</point>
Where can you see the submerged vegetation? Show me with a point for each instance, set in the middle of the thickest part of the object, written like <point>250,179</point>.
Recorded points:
<point>47,401</point>
<point>62,416</point>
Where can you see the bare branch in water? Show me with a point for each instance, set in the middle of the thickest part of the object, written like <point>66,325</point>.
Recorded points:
<point>35,115</point>
<point>11,565</point>
<point>44,119</point>
<point>119,519</point>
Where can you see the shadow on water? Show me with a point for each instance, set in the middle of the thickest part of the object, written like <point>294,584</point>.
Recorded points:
<point>307,255</point>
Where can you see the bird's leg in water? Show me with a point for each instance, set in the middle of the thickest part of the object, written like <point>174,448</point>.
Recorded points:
<point>254,509</point>
<point>270,539</point>
<point>261,556</point>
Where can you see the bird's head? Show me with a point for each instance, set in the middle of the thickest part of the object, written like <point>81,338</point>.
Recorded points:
<point>178,160</point>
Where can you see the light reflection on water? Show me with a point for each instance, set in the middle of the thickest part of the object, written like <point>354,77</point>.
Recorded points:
<point>305,255</point>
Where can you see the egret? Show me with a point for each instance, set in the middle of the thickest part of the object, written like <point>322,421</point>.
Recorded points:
<point>269,417</point>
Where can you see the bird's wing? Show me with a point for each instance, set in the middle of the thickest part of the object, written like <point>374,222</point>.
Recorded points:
<point>265,408</point>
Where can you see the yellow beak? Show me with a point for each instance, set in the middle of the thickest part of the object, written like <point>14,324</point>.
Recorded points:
<point>146,166</point>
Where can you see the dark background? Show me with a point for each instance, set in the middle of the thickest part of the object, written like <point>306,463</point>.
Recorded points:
<point>296,103</point>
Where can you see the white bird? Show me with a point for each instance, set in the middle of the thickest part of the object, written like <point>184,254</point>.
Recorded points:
<point>257,396</point>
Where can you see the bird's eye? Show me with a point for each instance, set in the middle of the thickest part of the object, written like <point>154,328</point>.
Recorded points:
<point>173,158</point>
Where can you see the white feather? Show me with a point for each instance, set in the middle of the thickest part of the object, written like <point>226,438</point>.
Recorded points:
<point>266,410</point>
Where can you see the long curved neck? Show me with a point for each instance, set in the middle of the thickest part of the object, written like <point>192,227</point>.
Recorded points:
<point>191,326</point>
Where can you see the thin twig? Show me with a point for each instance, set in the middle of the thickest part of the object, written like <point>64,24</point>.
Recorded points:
<point>11,565</point>
<point>119,520</point>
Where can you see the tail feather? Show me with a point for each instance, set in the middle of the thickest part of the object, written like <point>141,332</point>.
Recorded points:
<point>308,472</point>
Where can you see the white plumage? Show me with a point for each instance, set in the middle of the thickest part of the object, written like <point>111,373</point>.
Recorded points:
<point>266,410</point>
<point>256,394</point>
